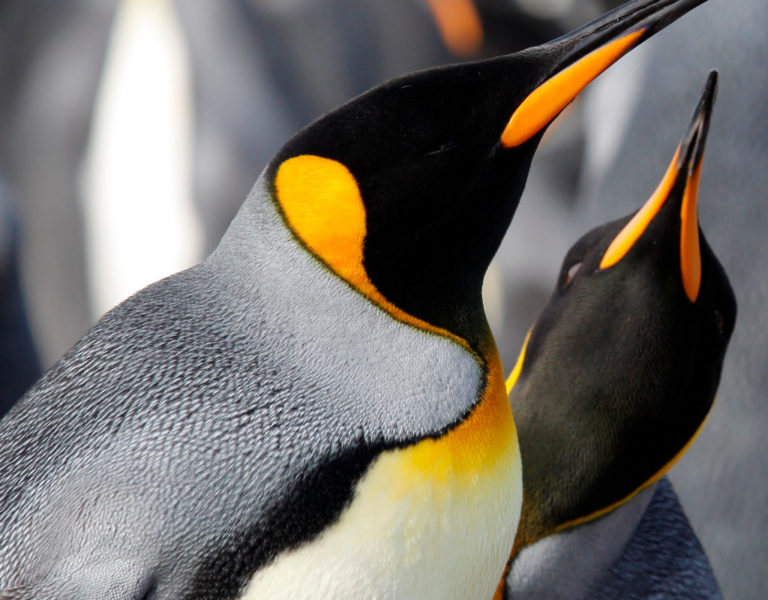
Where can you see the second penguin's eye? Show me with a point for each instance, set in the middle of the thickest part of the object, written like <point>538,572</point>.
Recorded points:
<point>571,273</point>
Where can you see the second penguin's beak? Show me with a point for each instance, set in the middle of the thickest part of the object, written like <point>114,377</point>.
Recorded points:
<point>580,56</point>
<point>686,165</point>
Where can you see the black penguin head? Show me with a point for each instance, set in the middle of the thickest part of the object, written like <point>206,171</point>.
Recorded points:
<point>622,367</point>
<point>407,191</point>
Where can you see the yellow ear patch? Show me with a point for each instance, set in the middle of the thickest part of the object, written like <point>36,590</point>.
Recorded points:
<point>459,25</point>
<point>322,205</point>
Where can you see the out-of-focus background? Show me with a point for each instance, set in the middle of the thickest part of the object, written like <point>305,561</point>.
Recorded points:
<point>131,131</point>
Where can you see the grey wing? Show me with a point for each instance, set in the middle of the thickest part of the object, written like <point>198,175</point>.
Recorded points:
<point>165,446</point>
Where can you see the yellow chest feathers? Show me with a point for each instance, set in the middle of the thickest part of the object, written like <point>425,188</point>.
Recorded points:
<point>434,520</point>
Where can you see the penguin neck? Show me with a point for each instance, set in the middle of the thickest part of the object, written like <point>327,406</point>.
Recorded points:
<point>307,321</point>
<point>255,229</point>
<point>436,272</point>
<point>258,231</point>
<point>568,564</point>
<point>437,418</point>
<point>563,492</point>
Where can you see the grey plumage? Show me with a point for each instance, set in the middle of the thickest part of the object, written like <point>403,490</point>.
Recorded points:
<point>192,398</point>
<point>663,559</point>
<point>644,550</point>
<point>568,564</point>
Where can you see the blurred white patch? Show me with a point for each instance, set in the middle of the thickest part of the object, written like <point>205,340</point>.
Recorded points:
<point>137,199</point>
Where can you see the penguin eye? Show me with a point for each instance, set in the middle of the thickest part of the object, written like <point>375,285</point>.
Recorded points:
<point>570,274</point>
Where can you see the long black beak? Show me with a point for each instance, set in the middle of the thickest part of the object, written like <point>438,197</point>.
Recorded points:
<point>695,139</point>
<point>685,164</point>
<point>649,15</point>
<point>580,56</point>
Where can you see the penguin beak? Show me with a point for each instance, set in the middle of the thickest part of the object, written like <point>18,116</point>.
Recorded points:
<point>685,164</point>
<point>585,53</point>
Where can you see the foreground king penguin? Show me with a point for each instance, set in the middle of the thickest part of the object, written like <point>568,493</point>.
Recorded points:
<point>612,386</point>
<point>318,409</point>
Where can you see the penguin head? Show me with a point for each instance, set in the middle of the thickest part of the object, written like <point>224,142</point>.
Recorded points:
<point>619,373</point>
<point>406,191</point>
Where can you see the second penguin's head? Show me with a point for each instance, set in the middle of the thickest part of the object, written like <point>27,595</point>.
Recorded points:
<point>621,369</point>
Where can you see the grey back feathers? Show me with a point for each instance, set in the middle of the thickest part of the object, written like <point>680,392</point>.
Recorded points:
<point>663,559</point>
<point>232,390</point>
<point>566,565</point>
<point>644,550</point>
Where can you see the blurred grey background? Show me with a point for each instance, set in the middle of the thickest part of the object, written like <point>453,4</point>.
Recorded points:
<point>131,131</point>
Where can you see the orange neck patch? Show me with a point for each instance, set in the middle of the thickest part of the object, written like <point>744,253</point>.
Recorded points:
<point>512,379</point>
<point>482,439</point>
<point>322,205</point>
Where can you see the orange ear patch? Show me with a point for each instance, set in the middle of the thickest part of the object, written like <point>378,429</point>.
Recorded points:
<point>552,96</point>
<point>322,205</point>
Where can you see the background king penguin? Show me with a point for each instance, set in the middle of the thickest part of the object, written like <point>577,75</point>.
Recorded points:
<point>318,409</point>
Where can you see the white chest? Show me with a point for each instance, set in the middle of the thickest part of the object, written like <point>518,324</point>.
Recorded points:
<point>441,532</point>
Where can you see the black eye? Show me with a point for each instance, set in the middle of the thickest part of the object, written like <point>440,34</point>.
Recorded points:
<point>720,321</point>
<point>571,273</point>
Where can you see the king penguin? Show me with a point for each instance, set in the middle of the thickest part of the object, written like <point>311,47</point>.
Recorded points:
<point>613,384</point>
<point>317,410</point>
